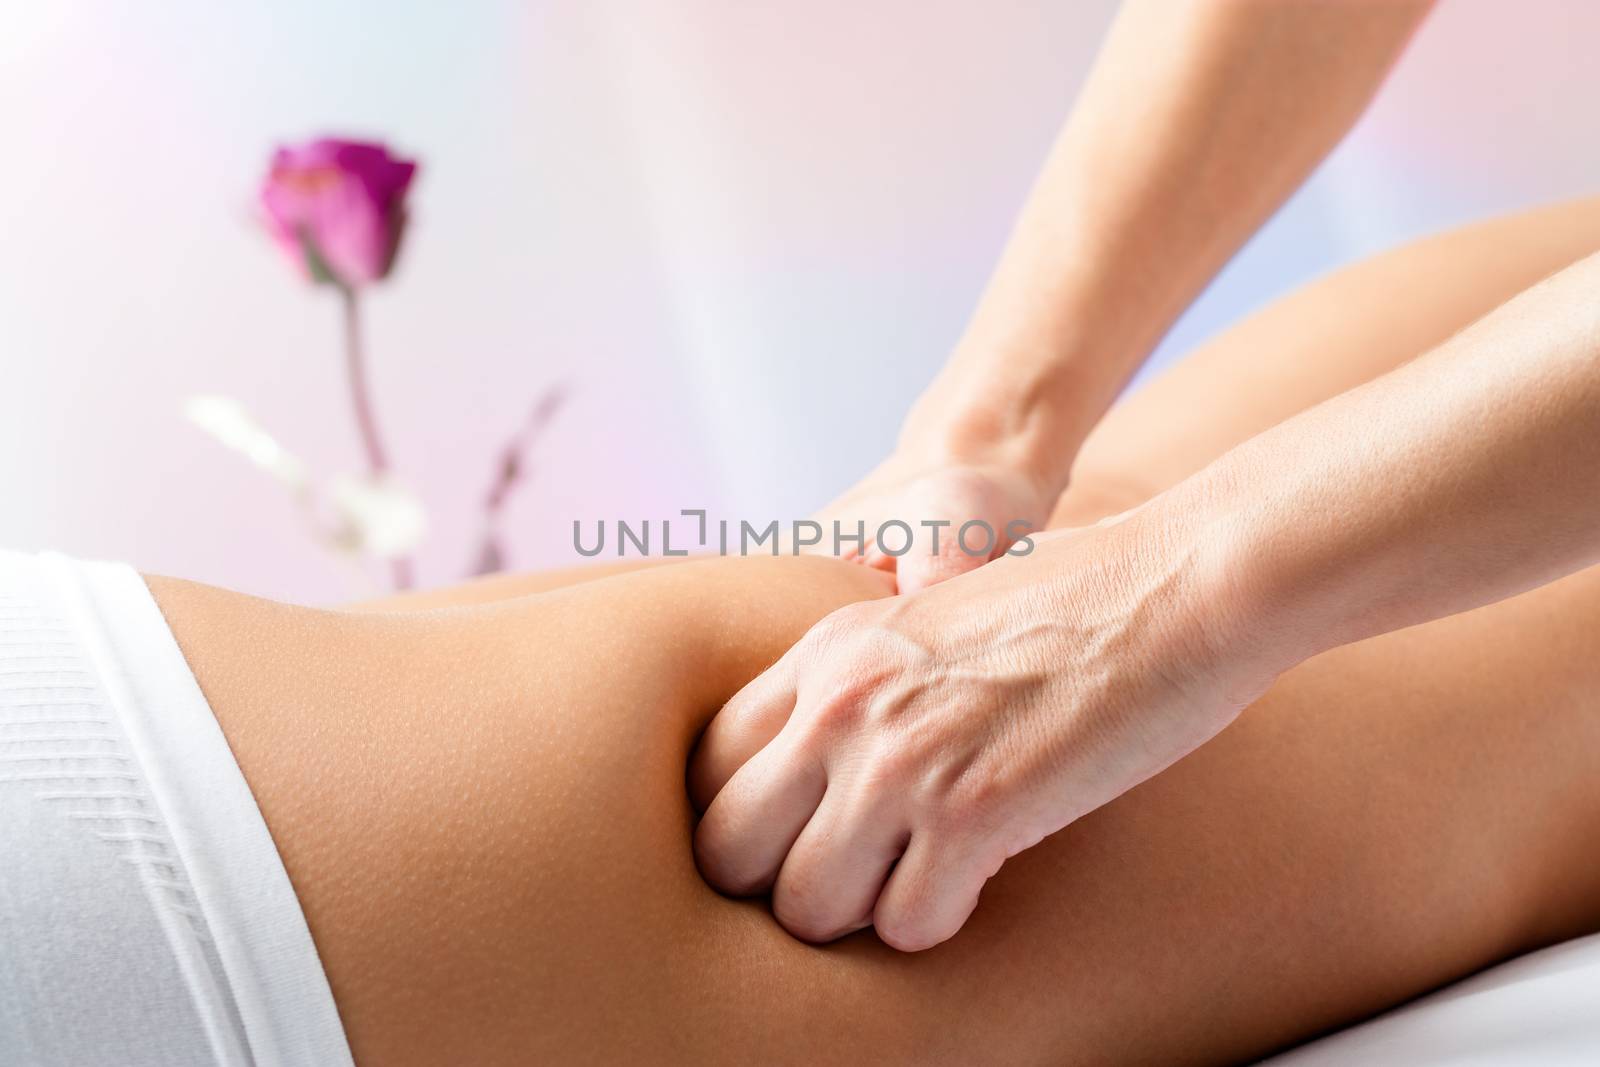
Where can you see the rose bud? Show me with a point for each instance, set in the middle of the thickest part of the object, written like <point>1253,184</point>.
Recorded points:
<point>338,208</point>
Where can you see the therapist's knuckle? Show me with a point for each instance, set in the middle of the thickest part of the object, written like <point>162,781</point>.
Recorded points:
<point>734,879</point>
<point>905,930</point>
<point>836,628</point>
<point>956,820</point>
<point>834,718</point>
<point>798,910</point>
<point>974,802</point>
<point>894,765</point>
<point>978,789</point>
<point>847,702</point>
<point>964,820</point>
<point>712,857</point>
<point>721,849</point>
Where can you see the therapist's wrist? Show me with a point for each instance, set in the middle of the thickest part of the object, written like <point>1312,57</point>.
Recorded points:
<point>1253,622</point>
<point>1028,389</point>
<point>998,416</point>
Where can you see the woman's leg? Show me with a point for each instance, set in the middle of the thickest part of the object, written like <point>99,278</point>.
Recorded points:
<point>484,815</point>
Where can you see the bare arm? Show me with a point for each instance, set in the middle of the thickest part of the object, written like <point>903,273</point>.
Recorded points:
<point>1197,122</point>
<point>1459,479</point>
<point>1332,335</point>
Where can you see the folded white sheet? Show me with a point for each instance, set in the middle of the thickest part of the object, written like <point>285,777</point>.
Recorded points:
<point>1539,1010</point>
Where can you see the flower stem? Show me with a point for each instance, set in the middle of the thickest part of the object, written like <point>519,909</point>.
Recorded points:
<point>366,423</point>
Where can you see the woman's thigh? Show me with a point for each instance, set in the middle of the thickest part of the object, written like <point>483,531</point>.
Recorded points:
<point>483,809</point>
<point>483,813</point>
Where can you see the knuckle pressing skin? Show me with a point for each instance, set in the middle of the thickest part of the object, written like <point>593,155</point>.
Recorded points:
<point>719,859</point>
<point>709,852</point>
<point>840,655</point>
<point>735,882</point>
<point>921,916</point>
<point>902,930</point>
<point>708,856</point>
<point>798,916</point>
<point>802,906</point>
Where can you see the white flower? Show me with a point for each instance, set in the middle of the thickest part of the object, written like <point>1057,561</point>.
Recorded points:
<point>370,516</point>
<point>225,419</point>
<point>378,516</point>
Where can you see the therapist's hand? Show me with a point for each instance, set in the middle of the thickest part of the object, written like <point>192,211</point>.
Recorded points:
<point>887,766</point>
<point>921,489</point>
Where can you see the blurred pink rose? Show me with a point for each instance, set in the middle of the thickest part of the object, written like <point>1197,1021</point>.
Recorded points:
<point>338,208</point>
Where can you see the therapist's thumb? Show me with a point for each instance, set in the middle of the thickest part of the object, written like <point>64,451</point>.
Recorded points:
<point>921,565</point>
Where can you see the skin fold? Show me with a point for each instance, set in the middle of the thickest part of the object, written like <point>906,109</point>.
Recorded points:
<point>480,796</point>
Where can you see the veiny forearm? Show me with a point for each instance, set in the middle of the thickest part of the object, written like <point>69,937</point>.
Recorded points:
<point>1197,122</point>
<point>1464,477</point>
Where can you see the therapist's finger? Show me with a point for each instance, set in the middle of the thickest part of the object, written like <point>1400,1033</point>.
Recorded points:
<point>878,559</point>
<point>922,567</point>
<point>742,728</point>
<point>836,868</point>
<point>933,891</point>
<point>748,829</point>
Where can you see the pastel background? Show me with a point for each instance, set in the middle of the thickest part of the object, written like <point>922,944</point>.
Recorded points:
<point>744,234</point>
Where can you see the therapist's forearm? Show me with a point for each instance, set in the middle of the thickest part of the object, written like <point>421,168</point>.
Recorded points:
<point>1466,476</point>
<point>1197,122</point>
